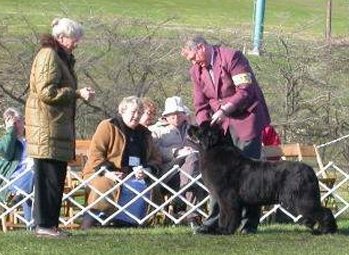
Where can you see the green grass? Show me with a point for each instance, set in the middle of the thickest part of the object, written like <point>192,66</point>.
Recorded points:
<point>298,16</point>
<point>271,239</point>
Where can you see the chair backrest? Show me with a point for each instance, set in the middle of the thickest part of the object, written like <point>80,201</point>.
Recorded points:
<point>75,167</point>
<point>272,151</point>
<point>82,146</point>
<point>81,151</point>
<point>295,151</point>
<point>291,151</point>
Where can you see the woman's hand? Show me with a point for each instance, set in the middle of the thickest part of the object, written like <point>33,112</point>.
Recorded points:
<point>114,176</point>
<point>139,174</point>
<point>10,122</point>
<point>87,93</point>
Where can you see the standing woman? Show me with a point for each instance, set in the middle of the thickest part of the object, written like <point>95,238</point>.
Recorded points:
<point>49,113</point>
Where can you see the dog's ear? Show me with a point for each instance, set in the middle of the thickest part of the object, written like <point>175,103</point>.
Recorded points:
<point>205,125</point>
<point>193,132</point>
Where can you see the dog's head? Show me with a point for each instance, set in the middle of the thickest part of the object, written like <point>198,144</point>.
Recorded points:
<point>206,135</point>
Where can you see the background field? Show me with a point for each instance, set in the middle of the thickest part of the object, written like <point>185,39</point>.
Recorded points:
<point>307,18</point>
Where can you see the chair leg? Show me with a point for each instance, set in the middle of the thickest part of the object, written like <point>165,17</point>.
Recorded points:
<point>3,224</point>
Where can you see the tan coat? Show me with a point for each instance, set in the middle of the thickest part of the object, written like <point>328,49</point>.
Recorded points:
<point>50,107</point>
<point>108,143</point>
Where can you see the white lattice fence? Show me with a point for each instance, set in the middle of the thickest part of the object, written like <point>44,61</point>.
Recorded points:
<point>333,193</point>
<point>14,209</point>
<point>74,200</point>
<point>156,209</point>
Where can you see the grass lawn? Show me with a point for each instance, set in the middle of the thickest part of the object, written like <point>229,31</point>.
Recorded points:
<point>271,239</point>
<point>297,16</point>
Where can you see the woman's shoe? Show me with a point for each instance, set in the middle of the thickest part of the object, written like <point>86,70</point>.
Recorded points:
<point>51,232</point>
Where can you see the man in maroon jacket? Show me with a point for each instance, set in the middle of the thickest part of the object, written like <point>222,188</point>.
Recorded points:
<point>226,92</point>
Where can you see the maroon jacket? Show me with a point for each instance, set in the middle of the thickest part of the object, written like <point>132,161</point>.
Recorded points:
<point>234,82</point>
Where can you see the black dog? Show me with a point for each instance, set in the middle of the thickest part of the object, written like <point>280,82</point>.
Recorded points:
<point>237,181</point>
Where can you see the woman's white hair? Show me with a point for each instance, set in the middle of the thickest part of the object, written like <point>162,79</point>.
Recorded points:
<point>11,112</point>
<point>66,27</point>
<point>128,101</point>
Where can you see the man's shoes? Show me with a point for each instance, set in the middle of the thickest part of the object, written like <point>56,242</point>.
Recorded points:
<point>51,233</point>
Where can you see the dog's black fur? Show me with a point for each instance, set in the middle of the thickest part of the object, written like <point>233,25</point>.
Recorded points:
<point>237,181</point>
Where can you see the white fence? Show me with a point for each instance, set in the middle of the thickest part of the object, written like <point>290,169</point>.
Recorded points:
<point>74,200</point>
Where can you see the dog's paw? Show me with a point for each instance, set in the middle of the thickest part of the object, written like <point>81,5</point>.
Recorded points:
<point>316,232</point>
<point>247,231</point>
<point>224,231</point>
<point>204,230</point>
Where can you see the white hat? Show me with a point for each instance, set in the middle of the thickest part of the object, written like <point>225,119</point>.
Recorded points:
<point>173,104</point>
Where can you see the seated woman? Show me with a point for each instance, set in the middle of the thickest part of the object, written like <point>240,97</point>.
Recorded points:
<point>14,164</point>
<point>122,145</point>
<point>171,135</point>
<point>149,113</point>
<point>270,137</point>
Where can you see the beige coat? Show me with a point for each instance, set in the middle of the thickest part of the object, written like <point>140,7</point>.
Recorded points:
<point>50,107</point>
<point>108,143</point>
<point>169,139</point>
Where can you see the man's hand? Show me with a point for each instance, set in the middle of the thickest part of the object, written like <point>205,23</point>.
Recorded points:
<point>185,151</point>
<point>217,117</point>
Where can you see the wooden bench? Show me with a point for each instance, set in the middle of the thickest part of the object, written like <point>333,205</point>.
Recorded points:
<point>74,169</point>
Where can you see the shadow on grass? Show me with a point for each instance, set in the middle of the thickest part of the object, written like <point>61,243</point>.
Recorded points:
<point>342,231</point>
<point>293,228</point>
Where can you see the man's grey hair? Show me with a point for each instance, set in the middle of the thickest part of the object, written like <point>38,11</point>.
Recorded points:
<point>193,42</point>
<point>130,101</point>
<point>66,27</point>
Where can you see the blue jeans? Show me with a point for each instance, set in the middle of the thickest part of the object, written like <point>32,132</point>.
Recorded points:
<point>23,184</point>
<point>139,207</point>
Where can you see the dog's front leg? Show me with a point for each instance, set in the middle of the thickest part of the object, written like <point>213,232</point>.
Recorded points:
<point>230,213</point>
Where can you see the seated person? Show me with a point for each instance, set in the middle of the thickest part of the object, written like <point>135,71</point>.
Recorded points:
<point>270,137</point>
<point>14,164</point>
<point>149,112</point>
<point>170,135</point>
<point>121,145</point>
